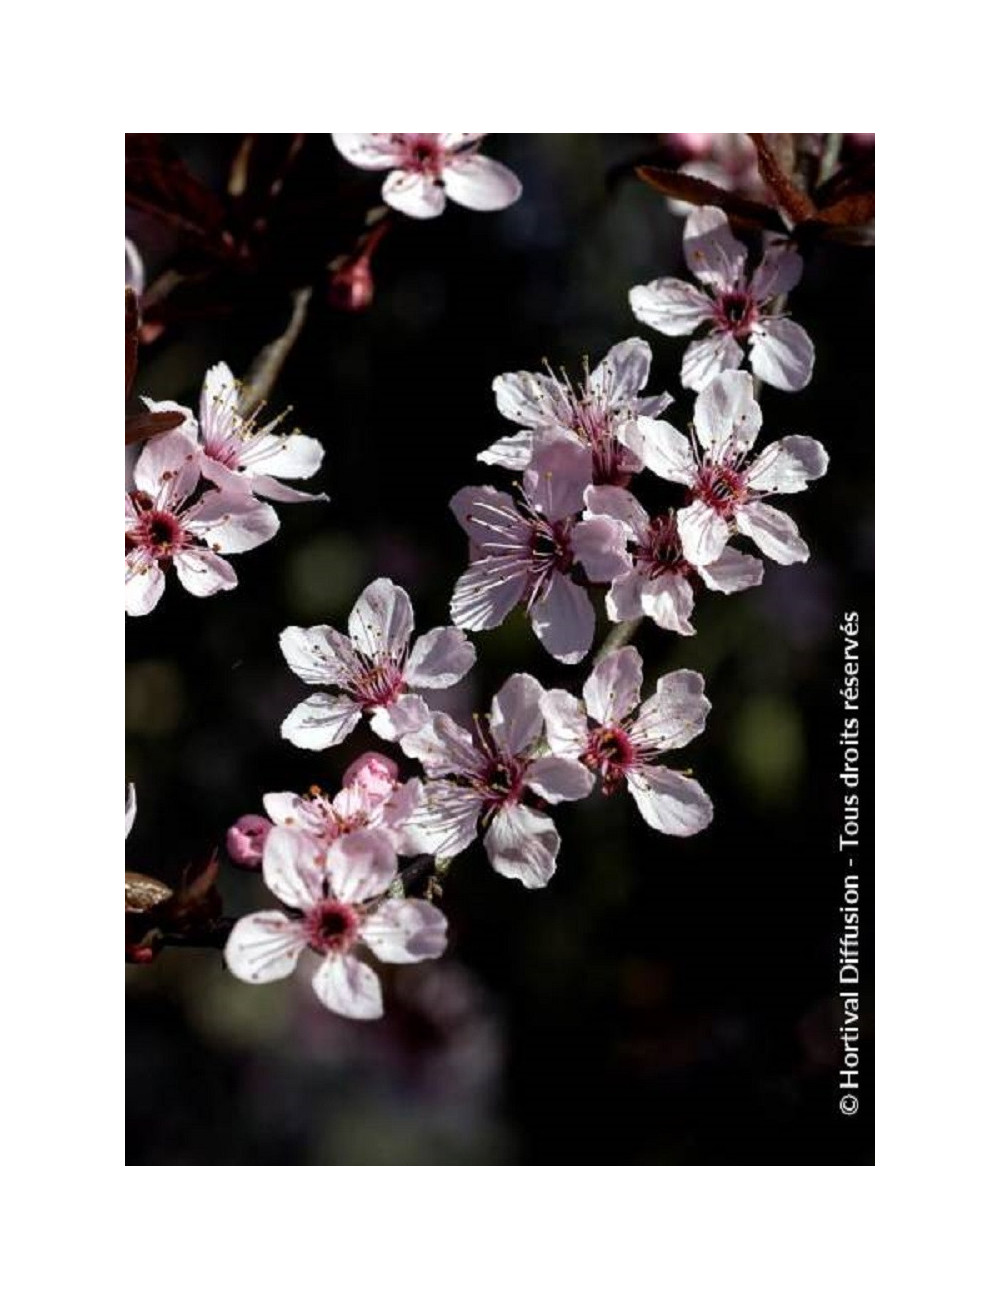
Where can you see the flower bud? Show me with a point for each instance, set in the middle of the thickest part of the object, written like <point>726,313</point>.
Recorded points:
<point>375,773</point>
<point>245,840</point>
<point>351,285</point>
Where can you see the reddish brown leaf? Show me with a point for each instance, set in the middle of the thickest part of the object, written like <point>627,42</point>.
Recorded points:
<point>158,182</point>
<point>692,189</point>
<point>138,427</point>
<point>771,153</point>
<point>852,210</point>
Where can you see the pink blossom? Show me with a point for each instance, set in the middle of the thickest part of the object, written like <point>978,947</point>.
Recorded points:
<point>239,456</point>
<point>374,668</point>
<point>525,551</point>
<point>728,490</point>
<point>489,780</point>
<point>621,741</point>
<point>738,312</point>
<point>245,840</point>
<point>339,899</point>
<point>365,802</point>
<point>424,169</point>
<point>162,528</point>
<point>660,582</point>
<point>592,413</point>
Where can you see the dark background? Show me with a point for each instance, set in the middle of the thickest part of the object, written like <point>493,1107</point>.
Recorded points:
<point>662,1001</point>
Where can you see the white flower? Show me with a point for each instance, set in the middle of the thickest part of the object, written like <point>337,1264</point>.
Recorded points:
<point>728,489</point>
<point>340,897</point>
<point>487,779</point>
<point>162,529</point>
<point>424,169</point>
<point>619,740</point>
<point>659,583</point>
<point>373,667</point>
<point>738,312</point>
<point>130,806</point>
<point>593,413</point>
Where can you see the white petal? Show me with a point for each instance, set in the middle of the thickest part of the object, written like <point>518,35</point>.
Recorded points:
<point>703,533</point>
<point>130,805</point>
<point>522,844</point>
<point>231,522</point>
<point>346,985</point>
<point>480,183</point>
<point>733,571</point>
<point>374,152</point>
<point>556,778</point>
<point>780,270</point>
<point>266,486</point>
<point>711,251</point>
<point>321,721</point>
<point>669,601</point>
<point>600,545</point>
<point>675,713</point>
<point>515,719</point>
<point>414,194</point>
<point>292,455</point>
<point>788,465</point>
<point>560,472</point>
<point>144,583</point>
<point>203,573</point>
<point>381,622</point>
<point>726,414</point>
<point>534,400</point>
<point>439,658</point>
<point>624,598</point>
<point>405,714</point>
<point>782,354</point>
<point>706,358</point>
<point>486,593</point>
<point>662,449</point>
<point>218,409</point>
<point>287,809</point>
<point>443,747</point>
<point>566,727</point>
<point>773,531</point>
<point>319,655</point>
<point>612,690</point>
<point>264,947</point>
<point>670,306</point>
<point>406,930</point>
<point>622,374</point>
<point>617,503</point>
<point>670,803</point>
<point>360,865</point>
<point>488,517</point>
<point>448,819</point>
<point>564,620</point>
<point>168,467</point>
<point>512,452</point>
<point>293,867</point>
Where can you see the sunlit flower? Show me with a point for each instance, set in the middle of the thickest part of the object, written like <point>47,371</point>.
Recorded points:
<point>593,412</point>
<point>660,582</point>
<point>728,487</point>
<point>622,742</point>
<point>239,456</point>
<point>162,529</point>
<point>339,899</point>
<point>373,667</point>
<point>738,312</point>
<point>495,781</point>
<point>425,169</point>
<point>525,551</point>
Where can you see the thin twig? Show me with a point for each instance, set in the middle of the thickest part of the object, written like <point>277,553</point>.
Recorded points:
<point>266,368</point>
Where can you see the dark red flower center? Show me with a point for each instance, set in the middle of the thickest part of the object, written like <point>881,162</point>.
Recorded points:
<point>721,487</point>
<point>736,312</point>
<point>610,753</point>
<point>333,926</point>
<point>660,551</point>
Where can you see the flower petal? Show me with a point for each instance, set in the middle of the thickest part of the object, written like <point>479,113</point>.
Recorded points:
<point>218,407</point>
<point>290,455</point>
<point>782,354</point>
<point>733,571</point>
<point>373,152</point>
<point>622,374</point>
<point>560,471</point>
<point>414,194</point>
<point>447,820</point>
<point>711,251</point>
<point>406,930</point>
<point>319,655</point>
<point>566,728</point>
<point>321,721</point>
<point>231,522</point>
<point>381,623</point>
<point>612,690</point>
<point>264,947</point>
<point>662,449</point>
<point>144,583</point>
<point>486,593</point>
<point>346,985</point>
<point>480,183</point>
<point>669,601</point>
<point>675,713</point>
<point>624,597</point>
<point>670,306</point>
<point>439,658</point>
<point>404,714</point>
<point>536,401</point>
<point>780,270</point>
<point>600,545</point>
<point>773,531</point>
<point>443,748</point>
<point>788,465</point>
<point>706,358</point>
<point>168,466</point>
<point>522,844</point>
<point>293,867</point>
<point>202,572</point>
<point>557,778</point>
<point>703,533</point>
<point>617,503</point>
<point>564,620</point>
<point>512,452</point>
<point>489,517</point>
<point>726,414</point>
<point>360,865</point>
<point>515,720</point>
<point>670,803</point>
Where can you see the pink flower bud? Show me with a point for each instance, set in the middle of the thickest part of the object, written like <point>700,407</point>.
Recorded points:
<point>245,840</point>
<point>692,144</point>
<point>351,286</point>
<point>376,774</point>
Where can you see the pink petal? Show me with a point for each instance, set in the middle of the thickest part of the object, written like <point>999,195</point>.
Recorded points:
<point>347,986</point>
<point>400,717</point>
<point>487,592</point>
<point>675,714</point>
<point>780,270</point>
<point>788,465</point>
<point>512,452</point>
<point>782,354</point>
<point>381,623</point>
<point>564,620</point>
<point>612,690</point>
<point>373,152</point>
<point>670,803</point>
<point>321,721</point>
<point>733,571</point>
<point>599,544</point>
<point>703,533</point>
<point>534,400</point>
<point>443,748</point>
<point>515,720</point>
<point>439,659</point>
<point>144,583</point>
<point>264,947</point>
<point>710,250</point>
<point>726,414</point>
<point>561,470</point>
<point>566,727</point>
<point>406,930</point>
<point>319,655</point>
<point>168,466</point>
<point>622,374</point>
<point>618,503</point>
<point>773,531</point>
<point>360,865</point>
<point>662,449</point>
<point>293,867</point>
<point>447,820</point>
<point>556,778</point>
<point>670,306</point>
<point>203,573</point>
<point>624,598</point>
<point>707,358</point>
<point>522,844</point>
<point>480,183</point>
<point>231,522</point>
<point>414,194</point>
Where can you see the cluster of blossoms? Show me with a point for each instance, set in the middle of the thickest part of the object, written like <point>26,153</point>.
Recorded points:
<point>171,521</point>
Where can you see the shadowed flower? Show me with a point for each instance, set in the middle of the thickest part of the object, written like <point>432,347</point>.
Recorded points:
<point>739,313</point>
<point>374,668</point>
<point>425,169</point>
<point>622,742</point>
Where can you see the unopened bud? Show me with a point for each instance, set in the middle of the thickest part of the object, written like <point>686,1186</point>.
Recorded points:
<point>245,840</point>
<point>351,285</point>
